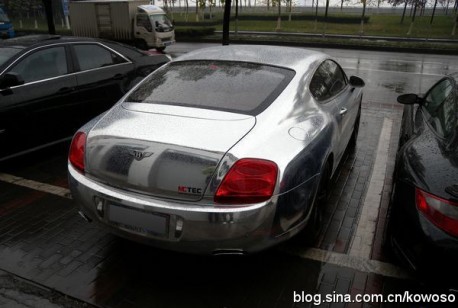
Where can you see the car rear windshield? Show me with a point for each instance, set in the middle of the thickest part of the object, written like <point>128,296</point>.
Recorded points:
<point>7,53</point>
<point>238,87</point>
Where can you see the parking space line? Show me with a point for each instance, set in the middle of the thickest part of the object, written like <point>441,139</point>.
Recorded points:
<point>363,239</point>
<point>47,188</point>
<point>354,262</point>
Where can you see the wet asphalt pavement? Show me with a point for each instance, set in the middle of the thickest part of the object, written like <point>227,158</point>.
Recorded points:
<point>45,242</point>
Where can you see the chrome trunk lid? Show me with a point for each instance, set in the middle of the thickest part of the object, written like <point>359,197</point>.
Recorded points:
<point>163,151</point>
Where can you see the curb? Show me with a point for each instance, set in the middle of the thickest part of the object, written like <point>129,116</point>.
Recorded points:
<point>275,39</point>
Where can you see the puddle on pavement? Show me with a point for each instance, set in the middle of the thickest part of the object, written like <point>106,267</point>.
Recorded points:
<point>395,66</point>
<point>397,87</point>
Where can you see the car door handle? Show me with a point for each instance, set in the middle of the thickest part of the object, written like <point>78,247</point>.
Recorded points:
<point>118,76</point>
<point>343,111</point>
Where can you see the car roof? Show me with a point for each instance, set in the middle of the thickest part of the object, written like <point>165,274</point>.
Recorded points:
<point>288,57</point>
<point>41,40</point>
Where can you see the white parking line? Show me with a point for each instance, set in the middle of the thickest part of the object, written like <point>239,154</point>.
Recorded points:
<point>363,239</point>
<point>47,188</point>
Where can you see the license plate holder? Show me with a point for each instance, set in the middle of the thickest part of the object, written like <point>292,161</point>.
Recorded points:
<point>138,220</point>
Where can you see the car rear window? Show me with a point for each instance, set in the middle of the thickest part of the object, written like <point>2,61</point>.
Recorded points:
<point>7,53</point>
<point>238,87</point>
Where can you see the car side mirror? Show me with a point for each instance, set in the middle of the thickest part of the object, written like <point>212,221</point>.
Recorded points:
<point>11,79</point>
<point>356,82</point>
<point>409,99</point>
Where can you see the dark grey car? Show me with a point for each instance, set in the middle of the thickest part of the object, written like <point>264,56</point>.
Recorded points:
<point>51,85</point>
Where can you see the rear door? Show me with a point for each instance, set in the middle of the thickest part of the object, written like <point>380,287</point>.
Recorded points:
<point>103,77</point>
<point>38,111</point>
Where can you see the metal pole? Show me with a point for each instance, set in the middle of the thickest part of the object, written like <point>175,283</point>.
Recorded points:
<point>226,20</point>
<point>49,16</point>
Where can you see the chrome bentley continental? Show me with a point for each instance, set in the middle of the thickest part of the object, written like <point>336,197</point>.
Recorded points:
<point>225,150</point>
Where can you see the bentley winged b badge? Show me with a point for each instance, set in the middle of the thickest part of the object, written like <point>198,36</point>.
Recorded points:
<point>139,155</point>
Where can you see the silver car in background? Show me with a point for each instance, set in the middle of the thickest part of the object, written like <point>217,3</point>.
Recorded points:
<point>225,150</point>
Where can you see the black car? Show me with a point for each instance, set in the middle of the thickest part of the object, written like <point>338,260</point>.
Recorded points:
<point>423,222</point>
<point>51,85</point>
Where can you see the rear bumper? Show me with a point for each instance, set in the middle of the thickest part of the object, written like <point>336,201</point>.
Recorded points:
<point>184,227</point>
<point>164,39</point>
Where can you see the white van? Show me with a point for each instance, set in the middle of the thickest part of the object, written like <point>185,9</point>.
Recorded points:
<point>121,20</point>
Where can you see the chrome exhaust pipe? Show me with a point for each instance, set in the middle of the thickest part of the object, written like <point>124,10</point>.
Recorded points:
<point>229,252</point>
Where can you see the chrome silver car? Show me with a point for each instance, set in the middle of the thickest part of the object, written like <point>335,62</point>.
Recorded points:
<point>225,150</point>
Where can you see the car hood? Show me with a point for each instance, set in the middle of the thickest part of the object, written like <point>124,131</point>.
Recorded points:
<point>163,151</point>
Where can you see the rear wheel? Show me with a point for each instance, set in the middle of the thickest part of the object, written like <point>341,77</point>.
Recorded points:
<point>315,224</point>
<point>354,135</point>
<point>160,49</point>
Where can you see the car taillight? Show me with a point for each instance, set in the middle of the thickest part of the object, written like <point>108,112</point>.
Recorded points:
<point>441,212</point>
<point>76,155</point>
<point>248,181</point>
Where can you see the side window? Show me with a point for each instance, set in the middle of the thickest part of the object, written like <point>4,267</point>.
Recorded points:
<point>91,56</point>
<point>440,108</point>
<point>143,21</point>
<point>42,64</point>
<point>329,80</point>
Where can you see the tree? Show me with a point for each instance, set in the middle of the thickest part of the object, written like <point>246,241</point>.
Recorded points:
<point>362,16</point>
<point>415,3</point>
<point>434,11</point>
<point>316,15</point>
<point>211,4</point>
<point>187,11</point>
<point>278,3</point>
<point>326,16</point>
<point>456,22</point>
<point>397,2</point>
<point>236,17</point>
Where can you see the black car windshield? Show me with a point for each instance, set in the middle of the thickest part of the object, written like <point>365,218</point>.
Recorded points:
<point>238,87</point>
<point>7,53</point>
<point>161,22</point>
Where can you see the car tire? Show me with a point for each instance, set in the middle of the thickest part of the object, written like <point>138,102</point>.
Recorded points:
<point>354,135</point>
<point>160,49</point>
<point>314,226</point>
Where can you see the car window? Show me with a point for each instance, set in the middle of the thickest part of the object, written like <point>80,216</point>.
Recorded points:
<point>7,53</point>
<point>127,51</point>
<point>328,80</point>
<point>143,21</point>
<point>161,22</point>
<point>42,64</point>
<point>92,56</point>
<point>239,87</point>
<point>440,108</point>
